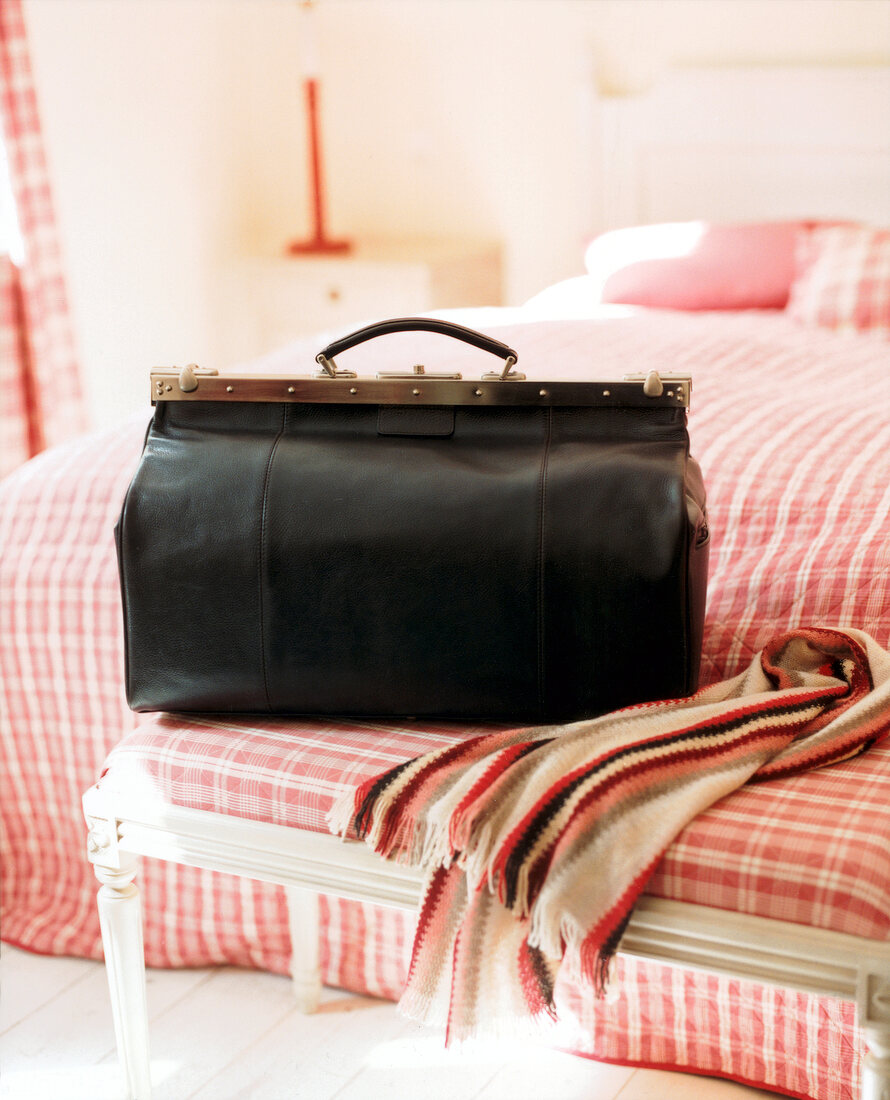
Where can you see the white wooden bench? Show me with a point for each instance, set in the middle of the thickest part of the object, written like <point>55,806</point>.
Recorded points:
<point>307,863</point>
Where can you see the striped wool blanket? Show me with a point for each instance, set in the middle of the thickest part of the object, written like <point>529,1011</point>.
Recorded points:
<point>537,842</point>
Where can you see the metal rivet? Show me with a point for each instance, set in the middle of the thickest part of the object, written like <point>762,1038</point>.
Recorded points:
<point>542,393</point>
<point>416,393</point>
<point>291,389</point>
<point>168,388</point>
<point>607,393</point>
<point>352,389</point>
<point>229,389</point>
<point>670,393</point>
<point>478,392</point>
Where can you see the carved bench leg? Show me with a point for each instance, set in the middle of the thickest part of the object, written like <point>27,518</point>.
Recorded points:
<point>874,1018</point>
<point>876,1067</point>
<point>304,937</point>
<point>120,919</point>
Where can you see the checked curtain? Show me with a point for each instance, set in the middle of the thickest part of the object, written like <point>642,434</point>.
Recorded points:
<point>40,395</point>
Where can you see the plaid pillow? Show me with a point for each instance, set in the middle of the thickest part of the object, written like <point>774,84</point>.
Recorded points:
<point>843,278</point>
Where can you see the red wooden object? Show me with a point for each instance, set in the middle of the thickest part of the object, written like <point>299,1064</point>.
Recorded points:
<point>319,241</point>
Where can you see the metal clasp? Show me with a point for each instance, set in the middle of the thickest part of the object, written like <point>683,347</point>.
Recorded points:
<point>329,369</point>
<point>655,384</point>
<point>418,371</point>
<point>188,376</point>
<point>507,374</point>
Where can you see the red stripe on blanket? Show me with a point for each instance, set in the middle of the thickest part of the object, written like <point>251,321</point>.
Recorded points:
<point>578,891</point>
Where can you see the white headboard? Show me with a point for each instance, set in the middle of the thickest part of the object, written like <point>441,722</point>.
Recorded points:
<point>743,144</point>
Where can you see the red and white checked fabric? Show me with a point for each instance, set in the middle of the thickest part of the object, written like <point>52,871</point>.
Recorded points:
<point>15,428</point>
<point>790,425</point>
<point>811,848</point>
<point>673,1018</point>
<point>844,278</point>
<point>48,385</point>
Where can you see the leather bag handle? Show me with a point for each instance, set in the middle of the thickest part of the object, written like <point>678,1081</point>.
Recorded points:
<point>417,324</point>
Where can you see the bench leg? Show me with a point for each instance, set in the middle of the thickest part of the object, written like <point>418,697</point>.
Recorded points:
<point>876,1067</point>
<point>120,918</point>
<point>873,1005</point>
<point>302,908</point>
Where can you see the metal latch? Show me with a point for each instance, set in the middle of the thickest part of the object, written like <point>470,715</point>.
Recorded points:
<point>507,374</point>
<point>654,383</point>
<point>418,371</point>
<point>329,368</point>
<point>188,377</point>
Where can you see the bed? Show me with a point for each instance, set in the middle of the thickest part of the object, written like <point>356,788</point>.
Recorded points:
<point>789,422</point>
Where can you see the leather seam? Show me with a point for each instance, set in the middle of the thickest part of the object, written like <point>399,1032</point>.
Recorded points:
<point>261,565</point>
<point>123,571</point>
<point>542,501</point>
<point>688,549</point>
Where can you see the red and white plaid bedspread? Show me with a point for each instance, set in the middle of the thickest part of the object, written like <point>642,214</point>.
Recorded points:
<point>792,430</point>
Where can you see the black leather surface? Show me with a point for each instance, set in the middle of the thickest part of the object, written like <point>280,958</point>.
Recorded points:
<point>531,565</point>
<point>415,420</point>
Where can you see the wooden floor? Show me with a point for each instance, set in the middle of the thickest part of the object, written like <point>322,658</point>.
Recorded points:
<point>231,1034</point>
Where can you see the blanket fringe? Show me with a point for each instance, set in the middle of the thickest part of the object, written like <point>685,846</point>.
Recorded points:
<point>535,867</point>
<point>527,1026</point>
<point>345,808</point>
<point>596,958</point>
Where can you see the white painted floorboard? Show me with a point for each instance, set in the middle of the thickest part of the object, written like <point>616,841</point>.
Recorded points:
<point>228,1034</point>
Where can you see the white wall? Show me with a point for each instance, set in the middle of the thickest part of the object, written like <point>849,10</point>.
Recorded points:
<point>135,119</point>
<point>174,134</point>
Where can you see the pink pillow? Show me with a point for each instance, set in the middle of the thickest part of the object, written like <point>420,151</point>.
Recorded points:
<point>695,265</point>
<point>843,280</point>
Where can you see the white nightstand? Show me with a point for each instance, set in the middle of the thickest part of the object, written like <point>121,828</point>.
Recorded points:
<point>278,299</point>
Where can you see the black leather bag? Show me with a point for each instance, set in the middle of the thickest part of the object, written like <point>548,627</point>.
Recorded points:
<point>412,544</point>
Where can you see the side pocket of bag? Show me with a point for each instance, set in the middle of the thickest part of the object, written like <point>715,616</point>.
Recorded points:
<point>118,546</point>
<point>697,568</point>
